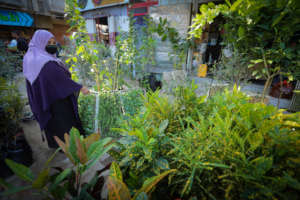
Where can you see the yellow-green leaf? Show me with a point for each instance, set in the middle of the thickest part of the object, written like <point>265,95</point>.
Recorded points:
<point>42,179</point>
<point>115,171</point>
<point>150,183</point>
<point>117,190</point>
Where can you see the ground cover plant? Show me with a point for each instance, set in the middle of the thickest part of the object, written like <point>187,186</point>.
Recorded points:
<point>223,147</point>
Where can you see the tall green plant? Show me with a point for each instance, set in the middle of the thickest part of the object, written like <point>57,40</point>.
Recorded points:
<point>90,59</point>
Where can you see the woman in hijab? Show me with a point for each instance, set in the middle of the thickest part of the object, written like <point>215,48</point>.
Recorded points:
<point>52,94</point>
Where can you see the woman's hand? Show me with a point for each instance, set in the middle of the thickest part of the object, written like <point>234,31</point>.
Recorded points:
<point>84,90</point>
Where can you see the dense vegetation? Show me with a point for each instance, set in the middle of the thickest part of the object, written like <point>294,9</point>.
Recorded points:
<point>223,147</point>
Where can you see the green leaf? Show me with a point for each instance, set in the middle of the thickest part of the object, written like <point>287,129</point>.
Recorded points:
<point>115,171</point>
<point>60,178</point>
<point>292,182</point>
<point>4,184</point>
<point>72,148</point>
<point>241,32</point>
<point>262,164</point>
<point>42,179</point>
<point>20,170</point>
<point>257,61</point>
<point>74,59</point>
<point>151,182</point>
<point>80,50</point>
<point>188,185</point>
<point>162,164</point>
<point>235,5</point>
<point>15,190</point>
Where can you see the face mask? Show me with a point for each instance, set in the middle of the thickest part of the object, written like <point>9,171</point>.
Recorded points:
<point>52,49</point>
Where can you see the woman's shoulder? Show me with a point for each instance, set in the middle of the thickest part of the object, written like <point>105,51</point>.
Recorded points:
<point>53,68</point>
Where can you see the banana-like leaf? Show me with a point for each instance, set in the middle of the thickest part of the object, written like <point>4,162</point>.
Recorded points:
<point>150,183</point>
<point>115,171</point>
<point>42,179</point>
<point>20,170</point>
<point>117,190</point>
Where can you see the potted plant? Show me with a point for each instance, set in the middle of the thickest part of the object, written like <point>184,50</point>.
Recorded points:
<point>12,142</point>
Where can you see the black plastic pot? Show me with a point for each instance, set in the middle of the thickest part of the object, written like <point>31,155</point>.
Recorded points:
<point>18,151</point>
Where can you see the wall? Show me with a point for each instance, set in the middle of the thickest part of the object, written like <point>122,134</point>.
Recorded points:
<point>178,15</point>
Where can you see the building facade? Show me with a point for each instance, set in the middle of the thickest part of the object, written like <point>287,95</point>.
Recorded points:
<point>29,15</point>
<point>107,17</point>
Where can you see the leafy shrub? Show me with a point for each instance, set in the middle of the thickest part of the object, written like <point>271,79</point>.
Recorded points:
<point>113,106</point>
<point>11,110</point>
<point>10,64</point>
<point>224,148</point>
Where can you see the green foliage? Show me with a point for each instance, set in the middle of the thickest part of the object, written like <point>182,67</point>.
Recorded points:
<point>119,191</point>
<point>11,110</point>
<point>179,45</point>
<point>264,30</point>
<point>10,64</point>
<point>113,107</point>
<point>83,154</point>
<point>234,69</point>
<point>224,148</point>
<point>88,59</point>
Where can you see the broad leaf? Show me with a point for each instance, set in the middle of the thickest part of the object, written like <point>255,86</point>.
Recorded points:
<point>20,170</point>
<point>117,190</point>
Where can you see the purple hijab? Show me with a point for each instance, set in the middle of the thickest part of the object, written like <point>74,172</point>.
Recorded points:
<point>36,56</point>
